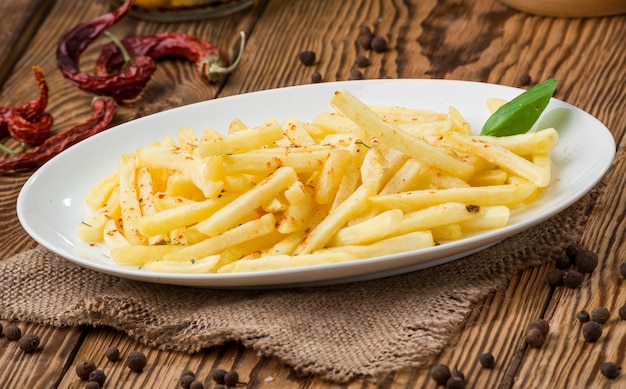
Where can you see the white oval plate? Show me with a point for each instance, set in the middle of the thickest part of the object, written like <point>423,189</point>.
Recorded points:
<point>51,204</point>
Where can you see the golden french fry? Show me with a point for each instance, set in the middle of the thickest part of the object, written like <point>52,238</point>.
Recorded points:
<point>508,194</point>
<point>373,229</point>
<point>234,236</point>
<point>500,156</point>
<point>412,241</point>
<point>204,265</point>
<point>301,159</point>
<point>275,262</point>
<point>130,206</point>
<point>99,194</point>
<point>395,137</point>
<point>231,214</point>
<point>113,236</point>
<point>138,255</point>
<point>92,228</point>
<point>241,141</point>
<point>436,215</point>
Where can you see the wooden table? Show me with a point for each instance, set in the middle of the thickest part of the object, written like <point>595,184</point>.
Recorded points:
<point>478,40</point>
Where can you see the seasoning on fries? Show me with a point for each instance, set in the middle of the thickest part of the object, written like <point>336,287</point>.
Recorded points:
<point>359,182</point>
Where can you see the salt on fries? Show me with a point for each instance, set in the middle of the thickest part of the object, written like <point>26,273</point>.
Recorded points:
<point>362,181</point>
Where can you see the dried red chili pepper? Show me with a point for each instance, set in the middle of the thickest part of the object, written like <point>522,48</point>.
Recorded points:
<point>103,110</point>
<point>210,61</point>
<point>28,123</point>
<point>124,85</point>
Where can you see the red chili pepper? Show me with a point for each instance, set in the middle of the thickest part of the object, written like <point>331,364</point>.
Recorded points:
<point>210,61</point>
<point>28,123</point>
<point>124,85</point>
<point>103,111</point>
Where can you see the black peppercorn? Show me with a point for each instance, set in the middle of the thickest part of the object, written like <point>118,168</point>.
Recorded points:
<point>487,360</point>
<point>622,312</point>
<point>112,353</point>
<point>455,382</point>
<point>231,378</point>
<point>84,368</point>
<point>541,324</point>
<point>583,316</point>
<point>365,30</point>
<point>316,77</point>
<point>379,44</point>
<point>29,342</point>
<point>136,361</point>
<point>362,61</point>
<point>535,338</point>
<point>440,373</point>
<point>572,250</point>
<point>592,331</point>
<point>524,79</point>
<point>97,376</point>
<point>472,208</point>
<point>92,385</point>
<point>586,261</point>
<point>186,380</point>
<point>217,375</point>
<point>563,262</point>
<point>12,332</point>
<point>600,315</point>
<point>622,269</point>
<point>0,328</point>
<point>572,278</point>
<point>307,57</point>
<point>555,277</point>
<point>610,370</point>
<point>196,385</point>
<point>355,74</point>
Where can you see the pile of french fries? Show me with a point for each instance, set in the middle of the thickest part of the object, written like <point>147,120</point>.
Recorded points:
<point>359,182</point>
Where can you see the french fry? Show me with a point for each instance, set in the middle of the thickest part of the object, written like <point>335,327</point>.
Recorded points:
<point>412,241</point>
<point>500,156</point>
<point>241,141</point>
<point>373,229</point>
<point>275,262</point>
<point>100,193</point>
<point>204,265</point>
<point>130,207</point>
<point>138,255</point>
<point>234,236</point>
<point>231,214</point>
<point>395,137</point>
<point>507,194</point>
<point>92,228</point>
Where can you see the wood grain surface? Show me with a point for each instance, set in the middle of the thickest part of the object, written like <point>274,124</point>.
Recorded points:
<point>480,40</point>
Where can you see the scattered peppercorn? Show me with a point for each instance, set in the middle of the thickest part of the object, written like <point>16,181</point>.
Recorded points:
<point>622,312</point>
<point>525,79</point>
<point>112,353</point>
<point>136,361</point>
<point>379,44</point>
<point>355,74</point>
<point>455,382</point>
<point>457,373</point>
<point>622,269</point>
<point>92,385</point>
<point>583,316</point>
<point>231,378</point>
<point>12,332</point>
<point>592,331</point>
<point>365,37</point>
<point>535,338</point>
<point>572,278</point>
<point>563,263</point>
<point>29,342</point>
<point>472,208</point>
<point>316,77</point>
<point>586,261</point>
<point>0,328</point>
<point>196,385</point>
<point>365,30</point>
<point>572,250</point>
<point>555,277</point>
<point>610,370</point>
<point>307,57</point>
<point>487,360</point>
<point>600,315</point>
<point>85,368</point>
<point>186,380</point>
<point>440,373</point>
<point>97,376</point>
<point>541,324</point>
<point>362,61</point>
<point>218,375</point>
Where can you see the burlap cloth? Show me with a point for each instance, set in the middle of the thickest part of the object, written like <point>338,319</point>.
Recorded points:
<point>337,332</point>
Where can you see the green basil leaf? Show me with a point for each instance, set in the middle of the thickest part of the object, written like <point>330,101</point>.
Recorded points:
<point>520,114</point>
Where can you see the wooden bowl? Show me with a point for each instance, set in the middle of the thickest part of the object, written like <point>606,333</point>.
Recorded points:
<point>569,8</point>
